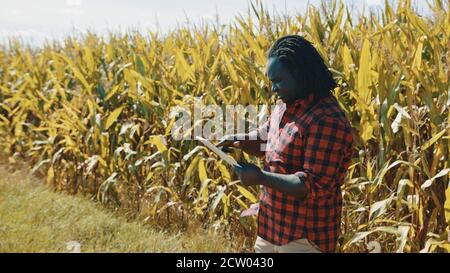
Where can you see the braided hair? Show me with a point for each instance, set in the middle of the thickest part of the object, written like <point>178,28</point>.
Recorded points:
<point>305,64</point>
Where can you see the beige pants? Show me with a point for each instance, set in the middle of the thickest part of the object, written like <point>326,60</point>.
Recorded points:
<point>297,246</point>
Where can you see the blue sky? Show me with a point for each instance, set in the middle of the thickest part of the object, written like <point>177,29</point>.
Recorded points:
<point>36,21</point>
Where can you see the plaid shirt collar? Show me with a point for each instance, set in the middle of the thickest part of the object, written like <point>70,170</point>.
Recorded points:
<point>300,104</point>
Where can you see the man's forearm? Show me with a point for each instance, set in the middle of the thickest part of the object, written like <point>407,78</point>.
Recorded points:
<point>286,183</point>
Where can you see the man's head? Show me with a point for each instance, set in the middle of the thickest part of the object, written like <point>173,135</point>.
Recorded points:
<point>296,70</point>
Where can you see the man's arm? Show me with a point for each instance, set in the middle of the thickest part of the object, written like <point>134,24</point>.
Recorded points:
<point>286,183</point>
<point>293,184</point>
<point>328,140</point>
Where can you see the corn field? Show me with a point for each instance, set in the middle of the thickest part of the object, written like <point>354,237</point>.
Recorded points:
<point>91,115</point>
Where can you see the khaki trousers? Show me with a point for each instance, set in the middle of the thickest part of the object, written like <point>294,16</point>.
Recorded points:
<point>297,246</point>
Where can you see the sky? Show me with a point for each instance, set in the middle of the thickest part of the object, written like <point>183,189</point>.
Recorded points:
<point>36,21</point>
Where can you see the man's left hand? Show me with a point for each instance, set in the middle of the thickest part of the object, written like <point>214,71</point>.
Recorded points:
<point>249,174</point>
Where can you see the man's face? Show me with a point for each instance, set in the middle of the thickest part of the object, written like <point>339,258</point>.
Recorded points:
<point>283,82</point>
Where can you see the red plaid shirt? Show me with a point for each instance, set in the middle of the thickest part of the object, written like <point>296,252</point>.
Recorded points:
<point>315,143</point>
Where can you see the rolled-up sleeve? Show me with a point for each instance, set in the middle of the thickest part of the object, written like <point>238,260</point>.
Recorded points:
<point>327,147</point>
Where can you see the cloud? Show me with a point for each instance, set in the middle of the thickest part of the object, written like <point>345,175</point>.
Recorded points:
<point>16,12</point>
<point>73,7</point>
<point>71,11</point>
<point>73,3</point>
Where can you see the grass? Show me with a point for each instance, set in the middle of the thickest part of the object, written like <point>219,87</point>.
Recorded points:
<point>36,219</point>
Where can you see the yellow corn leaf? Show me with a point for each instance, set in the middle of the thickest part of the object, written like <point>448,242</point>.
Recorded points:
<point>190,170</point>
<point>91,108</point>
<point>204,192</point>
<point>50,175</point>
<point>183,67</point>
<point>5,120</point>
<point>418,23</point>
<point>113,117</point>
<point>417,63</point>
<point>169,127</point>
<point>204,179</point>
<point>159,142</point>
<point>89,59</point>
<point>364,75</point>
<point>225,173</point>
<point>112,92</point>
<point>242,203</point>
<point>132,81</point>
<point>366,127</point>
<point>217,60</point>
<point>337,27</point>
<point>433,140</point>
<point>76,72</point>
<point>58,87</point>
<point>231,71</point>
<point>247,194</point>
<point>226,204</point>
<point>202,171</point>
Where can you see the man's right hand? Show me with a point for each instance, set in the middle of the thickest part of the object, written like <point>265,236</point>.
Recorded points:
<point>229,141</point>
<point>242,142</point>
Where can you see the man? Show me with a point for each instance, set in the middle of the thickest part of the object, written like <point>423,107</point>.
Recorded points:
<point>307,156</point>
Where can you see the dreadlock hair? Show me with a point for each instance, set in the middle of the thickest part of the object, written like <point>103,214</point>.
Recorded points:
<point>305,64</point>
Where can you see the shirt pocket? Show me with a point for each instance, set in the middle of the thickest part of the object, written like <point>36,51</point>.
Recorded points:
<point>289,144</point>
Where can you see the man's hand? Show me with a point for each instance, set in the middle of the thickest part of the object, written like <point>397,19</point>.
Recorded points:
<point>229,141</point>
<point>249,174</point>
<point>252,147</point>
